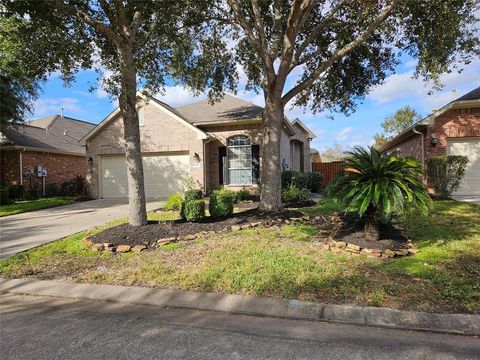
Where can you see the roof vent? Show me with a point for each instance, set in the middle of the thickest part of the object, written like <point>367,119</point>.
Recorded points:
<point>65,133</point>
<point>61,112</point>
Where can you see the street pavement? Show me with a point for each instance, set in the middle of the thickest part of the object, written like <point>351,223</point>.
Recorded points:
<point>24,231</point>
<point>35,327</point>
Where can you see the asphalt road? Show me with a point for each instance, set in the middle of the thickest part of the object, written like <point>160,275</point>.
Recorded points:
<point>48,328</point>
<point>24,231</point>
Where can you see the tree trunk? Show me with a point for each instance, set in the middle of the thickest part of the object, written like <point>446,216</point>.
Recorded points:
<point>133,154</point>
<point>270,185</point>
<point>372,225</point>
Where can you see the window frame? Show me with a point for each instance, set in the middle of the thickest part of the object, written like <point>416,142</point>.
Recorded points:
<point>248,147</point>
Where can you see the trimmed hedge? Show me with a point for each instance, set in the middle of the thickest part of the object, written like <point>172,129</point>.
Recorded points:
<point>221,203</point>
<point>193,210</point>
<point>5,198</point>
<point>193,194</point>
<point>296,178</point>
<point>295,195</point>
<point>16,192</point>
<point>314,181</point>
<point>174,202</point>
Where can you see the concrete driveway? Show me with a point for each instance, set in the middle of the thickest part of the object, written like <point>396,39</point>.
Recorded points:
<point>470,199</point>
<point>24,231</point>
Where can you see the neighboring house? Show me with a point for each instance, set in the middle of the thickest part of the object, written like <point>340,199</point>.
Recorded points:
<point>201,145</point>
<point>454,129</point>
<point>51,143</point>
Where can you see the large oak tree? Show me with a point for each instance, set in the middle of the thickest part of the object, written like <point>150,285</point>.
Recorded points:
<point>338,50</point>
<point>138,42</point>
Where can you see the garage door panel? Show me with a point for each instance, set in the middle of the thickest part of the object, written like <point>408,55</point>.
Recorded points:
<point>163,175</point>
<point>470,184</point>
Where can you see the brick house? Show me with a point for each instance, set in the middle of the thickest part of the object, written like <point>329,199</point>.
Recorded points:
<point>202,145</point>
<point>453,129</point>
<point>50,143</point>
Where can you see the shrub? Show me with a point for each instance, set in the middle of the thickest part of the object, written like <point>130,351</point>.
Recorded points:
<point>378,186</point>
<point>79,184</point>
<point>314,181</point>
<point>221,203</point>
<point>174,202</point>
<point>193,194</point>
<point>240,195</point>
<point>296,178</point>
<point>52,189</point>
<point>193,210</point>
<point>295,195</point>
<point>5,198</point>
<point>67,189</point>
<point>16,192</point>
<point>446,172</point>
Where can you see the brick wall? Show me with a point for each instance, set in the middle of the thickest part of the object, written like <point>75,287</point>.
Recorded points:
<point>160,133</point>
<point>455,123</point>
<point>60,167</point>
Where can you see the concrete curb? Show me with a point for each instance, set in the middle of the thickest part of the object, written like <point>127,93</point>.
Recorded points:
<point>462,324</point>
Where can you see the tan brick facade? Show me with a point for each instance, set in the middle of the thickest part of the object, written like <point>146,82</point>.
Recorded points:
<point>60,167</point>
<point>161,132</point>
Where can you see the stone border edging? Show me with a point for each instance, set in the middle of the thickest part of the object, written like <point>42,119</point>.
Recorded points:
<point>463,324</point>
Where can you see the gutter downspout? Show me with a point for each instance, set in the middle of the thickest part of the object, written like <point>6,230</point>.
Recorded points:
<point>21,165</point>
<point>422,152</point>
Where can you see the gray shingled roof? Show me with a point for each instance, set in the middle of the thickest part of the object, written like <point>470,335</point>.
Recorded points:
<point>229,108</point>
<point>50,133</point>
<point>64,126</point>
<point>472,95</point>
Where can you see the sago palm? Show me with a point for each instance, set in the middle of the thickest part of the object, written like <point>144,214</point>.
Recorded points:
<point>378,186</point>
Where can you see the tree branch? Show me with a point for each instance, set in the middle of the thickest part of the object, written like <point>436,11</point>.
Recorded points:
<point>303,85</point>
<point>136,22</point>
<point>261,37</point>
<point>316,31</point>
<point>70,10</point>
<point>277,28</point>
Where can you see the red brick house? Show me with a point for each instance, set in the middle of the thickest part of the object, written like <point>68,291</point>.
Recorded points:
<point>453,129</point>
<point>50,143</point>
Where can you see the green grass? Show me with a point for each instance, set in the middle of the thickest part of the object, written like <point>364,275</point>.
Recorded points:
<point>444,276</point>
<point>44,203</point>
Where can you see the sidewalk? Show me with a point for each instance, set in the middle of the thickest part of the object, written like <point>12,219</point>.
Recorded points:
<point>251,305</point>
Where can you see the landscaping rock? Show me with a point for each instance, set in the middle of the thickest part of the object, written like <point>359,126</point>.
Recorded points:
<point>123,248</point>
<point>108,245</point>
<point>190,237</point>
<point>339,244</point>
<point>388,253</point>
<point>138,248</point>
<point>235,227</point>
<point>166,241</point>
<point>98,247</point>
<point>352,248</point>
<point>255,224</point>
<point>413,251</point>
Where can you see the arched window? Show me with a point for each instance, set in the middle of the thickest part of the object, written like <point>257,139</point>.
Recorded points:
<point>239,160</point>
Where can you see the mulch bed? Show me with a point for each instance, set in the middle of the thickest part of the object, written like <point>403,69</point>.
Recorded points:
<point>349,229</point>
<point>126,234</point>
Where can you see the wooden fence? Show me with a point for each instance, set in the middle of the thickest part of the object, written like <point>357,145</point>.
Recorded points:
<point>329,170</point>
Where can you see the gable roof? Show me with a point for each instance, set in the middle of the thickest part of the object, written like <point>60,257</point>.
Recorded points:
<point>159,105</point>
<point>63,126</point>
<point>229,109</point>
<point>38,138</point>
<point>310,133</point>
<point>470,99</point>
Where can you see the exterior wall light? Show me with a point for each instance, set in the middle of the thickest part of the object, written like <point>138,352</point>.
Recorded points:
<point>434,141</point>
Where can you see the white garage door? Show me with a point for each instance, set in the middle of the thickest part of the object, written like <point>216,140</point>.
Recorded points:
<point>164,175</point>
<point>471,148</point>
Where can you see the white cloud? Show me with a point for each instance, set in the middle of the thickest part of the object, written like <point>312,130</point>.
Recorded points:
<point>403,86</point>
<point>178,95</point>
<point>50,106</point>
<point>344,133</point>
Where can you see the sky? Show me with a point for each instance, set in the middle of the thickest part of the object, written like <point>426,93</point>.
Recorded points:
<point>398,89</point>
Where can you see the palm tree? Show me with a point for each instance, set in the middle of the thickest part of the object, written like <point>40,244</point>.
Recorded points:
<point>378,186</point>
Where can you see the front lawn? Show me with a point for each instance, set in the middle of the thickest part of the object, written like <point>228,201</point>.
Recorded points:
<point>44,203</point>
<point>287,262</point>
